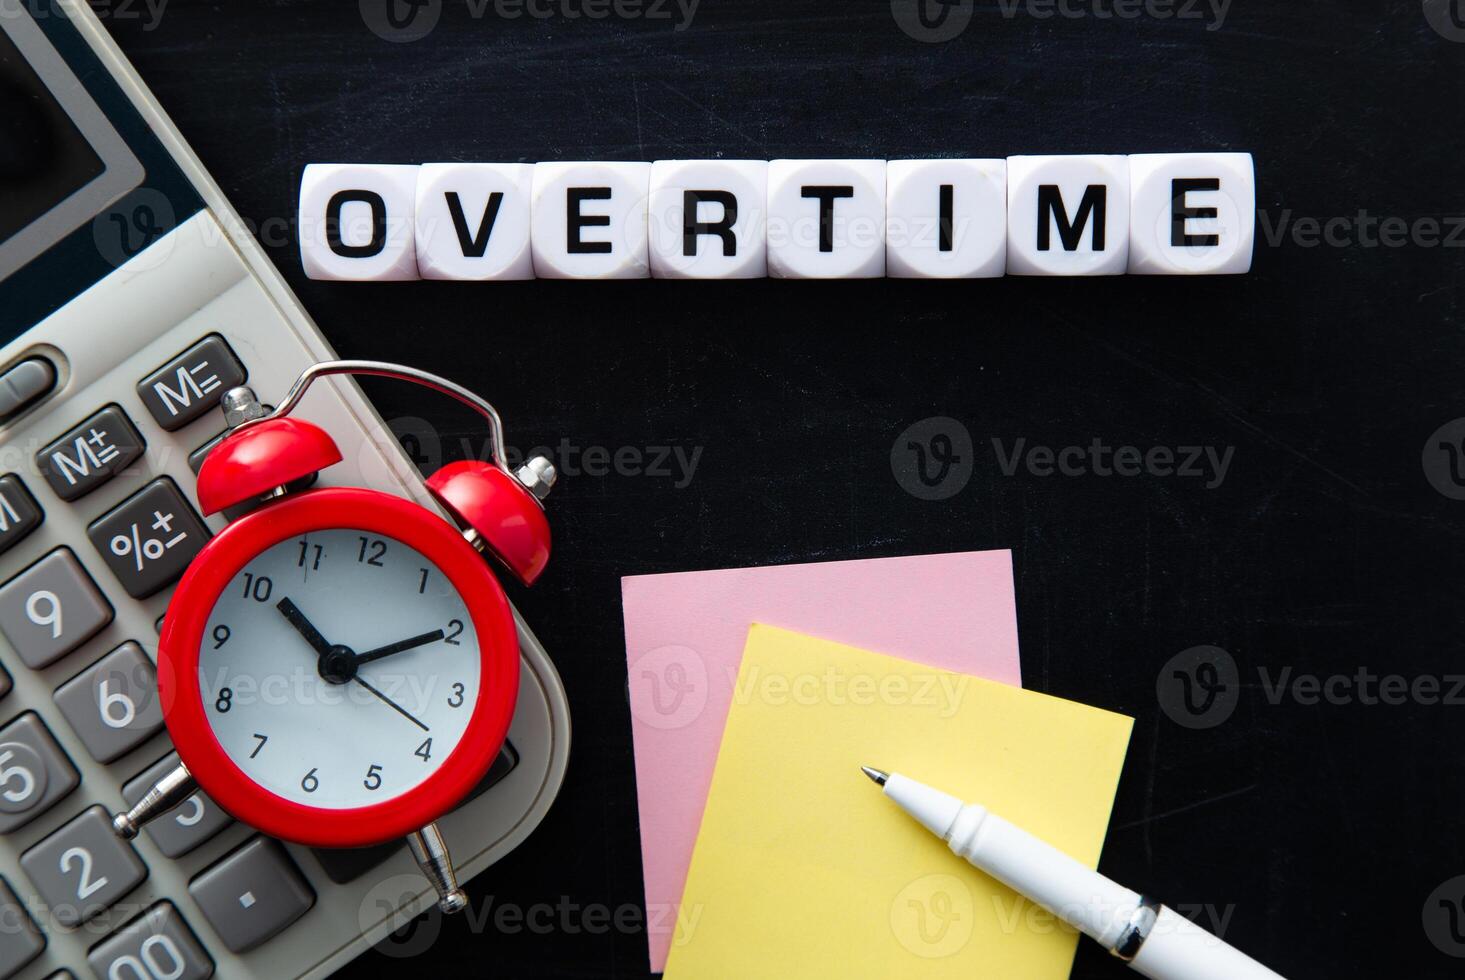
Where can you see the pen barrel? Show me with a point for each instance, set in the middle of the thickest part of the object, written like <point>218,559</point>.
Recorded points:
<point>1077,894</point>
<point>1178,949</point>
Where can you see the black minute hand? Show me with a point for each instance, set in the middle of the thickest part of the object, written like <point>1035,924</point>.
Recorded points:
<point>398,647</point>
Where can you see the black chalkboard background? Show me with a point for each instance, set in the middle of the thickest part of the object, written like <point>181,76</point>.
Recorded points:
<point>1328,832</point>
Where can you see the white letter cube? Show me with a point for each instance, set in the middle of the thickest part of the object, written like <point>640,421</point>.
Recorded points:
<point>1191,213</point>
<point>826,219</point>
<point>589,220</point>
<point>482,230</point>
<point>1054,209</point>
<point>945,219</point>
<point>705,229</point>
<point>356,222</point>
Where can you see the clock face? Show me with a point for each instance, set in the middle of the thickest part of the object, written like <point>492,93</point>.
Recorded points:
<point>339,668</point>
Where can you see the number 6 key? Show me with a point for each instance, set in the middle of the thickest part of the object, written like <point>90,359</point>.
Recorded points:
<point>113,704</point>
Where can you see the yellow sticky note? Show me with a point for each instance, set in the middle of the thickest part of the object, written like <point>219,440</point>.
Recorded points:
<point>803,869</point>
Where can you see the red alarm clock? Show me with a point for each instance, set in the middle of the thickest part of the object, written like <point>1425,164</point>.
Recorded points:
<point>339,666</point>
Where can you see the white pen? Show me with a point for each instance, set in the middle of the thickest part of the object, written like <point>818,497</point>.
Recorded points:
<point>1151,938</point>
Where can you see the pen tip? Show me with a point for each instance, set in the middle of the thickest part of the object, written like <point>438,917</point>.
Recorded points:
<point>876,776</point>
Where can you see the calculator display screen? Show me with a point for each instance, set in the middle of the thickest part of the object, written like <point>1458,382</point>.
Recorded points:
<point>61,162</point>
<point>43,157</point>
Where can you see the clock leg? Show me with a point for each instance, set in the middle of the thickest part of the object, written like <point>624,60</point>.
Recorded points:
<point>165,794</point>
<point>431,853</point>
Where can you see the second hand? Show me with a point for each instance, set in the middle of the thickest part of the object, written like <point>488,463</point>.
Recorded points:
<point>386,700</point>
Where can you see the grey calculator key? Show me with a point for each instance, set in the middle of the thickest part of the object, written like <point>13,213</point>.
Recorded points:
<point>23,384</point>
<point>28,776</point>
<point>5,682</point>
<point>253,894</point>
<point>51,608</point>
<point>34,772</point>
<point>188,824</point>
<point>81,869</point>
<point>19,512</point>
<point>91,454</point>
<point>149,539</point>
<point>20,940</point>
<point>196,458</point>
<point>157,943</point>
<point>113,705</point>
<point>191,383</point>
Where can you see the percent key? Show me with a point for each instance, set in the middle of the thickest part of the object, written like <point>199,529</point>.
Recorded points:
<point>149,539</point>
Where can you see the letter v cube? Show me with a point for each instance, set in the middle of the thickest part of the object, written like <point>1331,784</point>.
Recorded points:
<point>473,221</point>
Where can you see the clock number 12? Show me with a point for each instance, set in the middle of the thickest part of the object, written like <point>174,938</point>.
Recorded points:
<point>371,552</point>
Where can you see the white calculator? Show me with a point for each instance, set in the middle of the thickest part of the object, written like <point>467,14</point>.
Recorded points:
<point>131,299</point>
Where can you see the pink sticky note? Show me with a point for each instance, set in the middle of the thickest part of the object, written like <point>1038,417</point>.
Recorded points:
<point>684,642</point>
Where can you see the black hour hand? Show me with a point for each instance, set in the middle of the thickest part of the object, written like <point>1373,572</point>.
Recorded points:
<point>297,619</point>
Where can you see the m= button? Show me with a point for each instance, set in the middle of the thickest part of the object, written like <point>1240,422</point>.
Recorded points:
<point>192,383</point>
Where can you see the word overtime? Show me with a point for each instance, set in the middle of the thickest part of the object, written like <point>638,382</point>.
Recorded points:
<point>1145,214</point>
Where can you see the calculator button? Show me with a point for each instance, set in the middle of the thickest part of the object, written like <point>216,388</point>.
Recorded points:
<point>191,383</point>
<point>196,458</point>
<point>23,384</point>
<point>51,608</point>
<point>253,894</point>
<point>19,512</point>
<point>90,454</point>
<point>81,869</point>
<point>20,940</point>
<point>34,772</point>
<point>184,827</point>
<point>156,944</point>
<point>149,539</point>
<point>113,705</point>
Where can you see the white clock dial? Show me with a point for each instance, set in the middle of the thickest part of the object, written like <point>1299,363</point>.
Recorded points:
<point>305,680</point>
